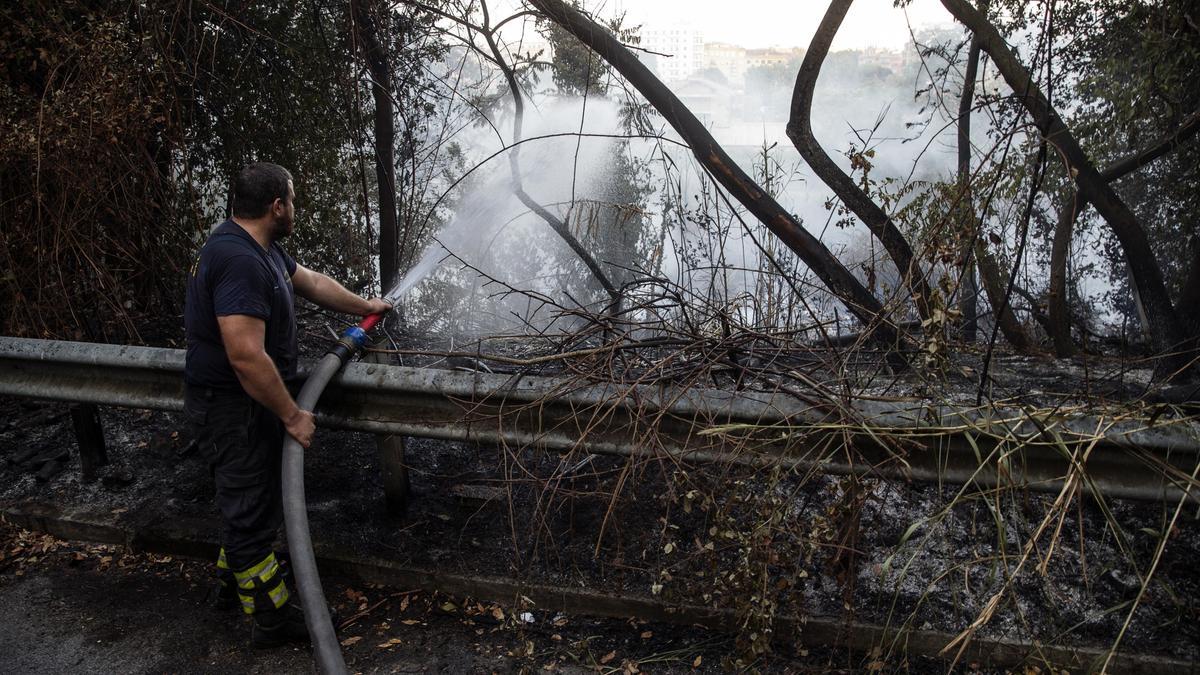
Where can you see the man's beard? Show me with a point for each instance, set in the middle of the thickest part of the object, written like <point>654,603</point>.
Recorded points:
<point>281,228</point>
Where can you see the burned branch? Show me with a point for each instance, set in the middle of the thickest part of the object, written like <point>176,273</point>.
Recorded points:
<point>799,130</point>
<point>836,277</point>
<point>1166,331</point>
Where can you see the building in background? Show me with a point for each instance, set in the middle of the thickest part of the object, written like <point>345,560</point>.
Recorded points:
<point>712,102</point>
<point>891,59</point>
<point>680,51</point>
<point>729,59</point>
<point>772,56</point>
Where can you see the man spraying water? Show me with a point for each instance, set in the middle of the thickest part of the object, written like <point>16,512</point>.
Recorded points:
<point>241,355</point>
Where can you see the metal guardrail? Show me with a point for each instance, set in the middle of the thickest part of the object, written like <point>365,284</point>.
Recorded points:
<point>993,446</point>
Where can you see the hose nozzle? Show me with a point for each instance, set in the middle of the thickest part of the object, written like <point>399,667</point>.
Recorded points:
<point>370,322</point>
<point>355,338</point>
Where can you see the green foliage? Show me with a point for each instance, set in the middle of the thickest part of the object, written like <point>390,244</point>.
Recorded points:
<point>575,69</point>
<point>1123,74</point>
<point>277,87</point>
<point>1136,64</point>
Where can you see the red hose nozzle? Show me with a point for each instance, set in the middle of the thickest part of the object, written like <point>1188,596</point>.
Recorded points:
<point>369,322</point>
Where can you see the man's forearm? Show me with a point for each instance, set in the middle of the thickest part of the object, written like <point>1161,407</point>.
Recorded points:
<point>333,296</point>
<point>261,381</point>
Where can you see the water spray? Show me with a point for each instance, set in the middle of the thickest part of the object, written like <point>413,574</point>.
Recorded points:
<point>463,231</point>
<point>328,651</point>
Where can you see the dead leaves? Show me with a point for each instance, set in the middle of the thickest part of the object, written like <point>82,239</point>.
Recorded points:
<point>21,550</point>
<point>394,625</point>
<point>390,643</point>
<point>627,667</point>
<point>357,599</point>
<point>524,649</point>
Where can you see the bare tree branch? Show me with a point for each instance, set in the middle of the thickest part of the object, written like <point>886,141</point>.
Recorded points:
<point>799,129</point>
<point>1165,329</point>
<point>709,153</point>
<point>514,159</point>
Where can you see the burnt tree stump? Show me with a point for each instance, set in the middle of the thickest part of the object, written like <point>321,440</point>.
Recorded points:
<point>90,435</point>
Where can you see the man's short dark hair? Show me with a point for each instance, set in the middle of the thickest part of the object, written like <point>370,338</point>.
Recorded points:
<point>257,187</point>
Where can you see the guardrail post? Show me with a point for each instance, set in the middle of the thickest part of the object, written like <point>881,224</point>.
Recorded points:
<point>90,435</point>
<point>391,459</point>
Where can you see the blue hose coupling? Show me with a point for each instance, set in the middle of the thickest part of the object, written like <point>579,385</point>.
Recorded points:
<point>351,342</point>
<point>356,335</point>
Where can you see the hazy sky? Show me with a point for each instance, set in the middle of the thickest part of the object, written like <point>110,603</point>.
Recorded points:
<point>784,23</point>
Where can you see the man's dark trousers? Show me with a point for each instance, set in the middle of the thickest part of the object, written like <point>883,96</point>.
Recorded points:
<point>243,443</point>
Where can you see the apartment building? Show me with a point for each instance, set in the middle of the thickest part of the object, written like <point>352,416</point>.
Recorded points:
<point>682,46</point>
<point>727,58</point>
<point>772,56</point>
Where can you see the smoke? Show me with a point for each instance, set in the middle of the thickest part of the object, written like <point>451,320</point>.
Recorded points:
<point>492,235</point>
<point>858,105</point>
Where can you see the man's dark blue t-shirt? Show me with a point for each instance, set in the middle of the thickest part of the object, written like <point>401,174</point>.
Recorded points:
<point>234,275</point>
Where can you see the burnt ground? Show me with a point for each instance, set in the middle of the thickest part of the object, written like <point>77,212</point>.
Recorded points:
<point>687,534</point>
<point>71,607</point>
<point>78,607</point>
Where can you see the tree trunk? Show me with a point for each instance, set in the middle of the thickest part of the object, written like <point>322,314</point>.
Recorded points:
<point>1060,251</point>
<point>1035,309</point>
<point>378,65</point>
<point>968,292</point>
<point>799,130</point>
<point>1056,298</point>
<point>993,285</point>
<point>1163,323</point>
<point>975,251</point>
<point>1189,295</point>
<point>713,157</point>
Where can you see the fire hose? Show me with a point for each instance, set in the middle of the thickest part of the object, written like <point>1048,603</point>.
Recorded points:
<point>328,652</point>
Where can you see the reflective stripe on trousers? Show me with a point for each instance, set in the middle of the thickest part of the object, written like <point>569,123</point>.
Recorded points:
<point>261,586</point>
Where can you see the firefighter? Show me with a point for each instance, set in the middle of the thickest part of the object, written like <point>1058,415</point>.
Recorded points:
<point>241,358</point>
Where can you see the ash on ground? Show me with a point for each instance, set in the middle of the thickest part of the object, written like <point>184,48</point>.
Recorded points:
<point>766,543</point>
